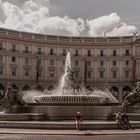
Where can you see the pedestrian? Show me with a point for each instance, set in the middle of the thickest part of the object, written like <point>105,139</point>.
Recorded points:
<point>78,120</point>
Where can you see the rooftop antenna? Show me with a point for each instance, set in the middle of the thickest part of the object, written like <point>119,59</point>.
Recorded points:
<point>105,34</point>
<point>134,36</point>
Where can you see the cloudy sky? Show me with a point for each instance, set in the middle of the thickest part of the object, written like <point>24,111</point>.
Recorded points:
<point>72,17</point>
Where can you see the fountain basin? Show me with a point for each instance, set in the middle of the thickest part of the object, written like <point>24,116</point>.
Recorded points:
<point>70,99</point>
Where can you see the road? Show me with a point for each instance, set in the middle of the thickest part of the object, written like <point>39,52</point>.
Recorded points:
<point>64,137</point>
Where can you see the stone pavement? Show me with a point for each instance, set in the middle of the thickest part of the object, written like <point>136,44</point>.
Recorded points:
<point>67,132</point>
<point>64,125</point>
<point>68,137</point>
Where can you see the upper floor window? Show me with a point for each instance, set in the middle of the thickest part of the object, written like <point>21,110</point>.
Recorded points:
<point>64,52</point>
<point>26,60</point>
<point>26,49</point>
<point>76,53</point>
<point>89,74</point>
<point>114,52</point>
<point>127,53</point>
<point>127,62</point>
<point>114,63</point>
<point>101,53</point>
<point>89,63</point>
<point>13,47</point>
<point>76,63</point>
<point>51,52</point>
<point>0,46</point>
<point>1,70</point>
<point>13,72</point>
<point>63,62</point>
<point>76,74</point>
<point>51,62</point>
<point>101,74</point>
<point>114,74</point>
<point>126,74</point>
<point>26,73</point>
<point>101,63</point>
<point>39,50</point>
<point>89,52</point>
<point>13,59</point>
<point>1,57</point>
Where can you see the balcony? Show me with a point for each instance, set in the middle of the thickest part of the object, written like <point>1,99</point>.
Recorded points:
<point>14,51</point>
<point>26,52</point>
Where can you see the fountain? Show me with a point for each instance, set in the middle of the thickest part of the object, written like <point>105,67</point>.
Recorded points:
<point>67,93</point>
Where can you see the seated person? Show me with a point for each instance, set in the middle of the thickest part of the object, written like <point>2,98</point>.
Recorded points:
<point>78,119</point>
<point>123,121</point>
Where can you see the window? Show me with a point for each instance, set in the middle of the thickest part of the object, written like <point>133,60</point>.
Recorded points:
<point>64,52</point>
<point>76,74</point>
<point>114,52</point>
<point>26,60</point>
<point>1,70</point>
<point>114,63</point>
<point>14,72</point>
<point>76,52</point>
<point>63,62</point>
<point>127,74</point>
<point>0,46</point>
<point>127,62</point>
<point>40,73</point>
<point>51,62</point>
<point>127,52</point>
<point>26,73</point>
<point>52,74</point>
<point>89,53</point>
<point>1,57</point>
<point>51,52</point>
<point>76,63</point>
<point>101,74</point>
<point>39,50</point>
<point>89,63</point>
<point>101,53</point>
<point>26,49</point>
<point>114,74</point>
<point>89,74</point>
<point>101,63</point>
<point>13,59</point>
<point>13,48</point>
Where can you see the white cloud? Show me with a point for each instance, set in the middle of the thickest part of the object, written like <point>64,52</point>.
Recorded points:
<point>109,24</point>
<point>34,16</point>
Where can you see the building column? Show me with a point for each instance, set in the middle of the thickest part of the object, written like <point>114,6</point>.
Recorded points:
<point>120,98</point>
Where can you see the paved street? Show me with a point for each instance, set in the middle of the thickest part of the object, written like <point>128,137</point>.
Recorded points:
<point>64,137</point>
<point>35,134</point>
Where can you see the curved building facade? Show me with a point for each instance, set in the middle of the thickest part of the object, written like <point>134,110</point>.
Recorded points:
<point>99,62</point>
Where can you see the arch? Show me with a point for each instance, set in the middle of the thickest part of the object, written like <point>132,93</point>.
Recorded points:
<point>115,91</point>
<point>51,87</point>
<point>14,86</point>
<point>90,88</point>
<point>39,87</point>
<point>77,87</point>
<point>2,91</point>
<point>126,90</point>
<point>25,88</point>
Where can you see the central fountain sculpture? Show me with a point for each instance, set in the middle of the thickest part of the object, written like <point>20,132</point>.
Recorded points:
<point>67,93</point>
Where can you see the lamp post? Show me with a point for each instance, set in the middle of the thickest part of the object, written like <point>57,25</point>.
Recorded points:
<point>85,72</point>
<point>37,69</point>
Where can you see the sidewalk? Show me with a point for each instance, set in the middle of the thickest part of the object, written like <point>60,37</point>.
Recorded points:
<point>67,132</point>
